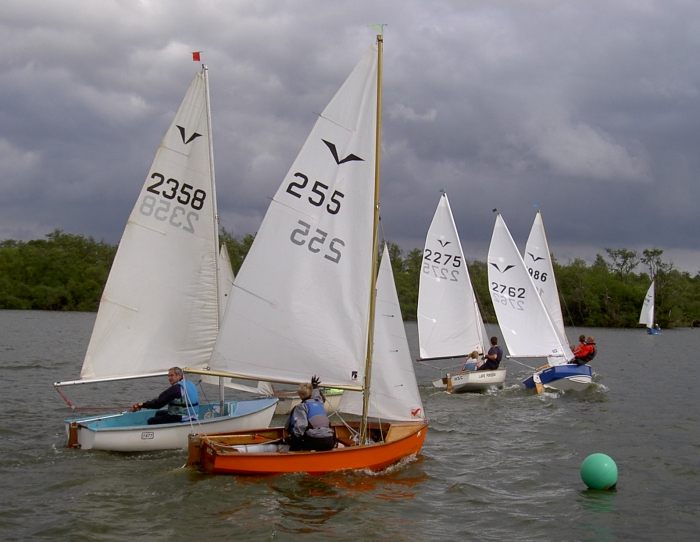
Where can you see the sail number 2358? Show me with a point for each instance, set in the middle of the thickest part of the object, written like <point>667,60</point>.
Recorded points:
<point>508,295</point>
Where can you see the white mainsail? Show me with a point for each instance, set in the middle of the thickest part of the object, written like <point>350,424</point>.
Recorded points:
<point>299,305</point>
<point>647,315</point>
<point>538,260</point>
<point>160,304</point>
<point>449,319</point>
<point>525,323</point>
<point>394,394</point>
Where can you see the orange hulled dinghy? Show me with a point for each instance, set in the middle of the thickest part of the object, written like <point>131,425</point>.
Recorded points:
<point>308,301</point>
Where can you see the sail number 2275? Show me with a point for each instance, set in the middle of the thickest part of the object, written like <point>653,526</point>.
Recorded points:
<point>508,295</point>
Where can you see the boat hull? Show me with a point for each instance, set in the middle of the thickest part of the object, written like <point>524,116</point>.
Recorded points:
<point>130,432</point>
<point>563,377</point>
<point>467,381</point>
<point>215,453</point>
<point>287,401</point>
<point>653,331</point>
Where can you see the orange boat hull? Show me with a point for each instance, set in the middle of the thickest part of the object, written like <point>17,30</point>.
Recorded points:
<point>214,453</point>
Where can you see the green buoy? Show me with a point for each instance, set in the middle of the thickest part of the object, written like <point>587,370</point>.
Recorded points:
<point>599,471</point>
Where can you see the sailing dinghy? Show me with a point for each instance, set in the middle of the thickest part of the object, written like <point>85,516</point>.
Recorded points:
<point>646,317</point>
<point>450,325</point>
<point>160,306</point>
<point>527,327</point>
<point>304,302</point>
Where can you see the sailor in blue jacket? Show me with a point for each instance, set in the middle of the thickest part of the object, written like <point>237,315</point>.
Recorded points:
<point>181,397</point>
<point>308,425</point>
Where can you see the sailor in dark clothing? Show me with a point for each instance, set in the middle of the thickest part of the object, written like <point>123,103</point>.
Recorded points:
<point>493,357</point>
<point>308,425</point>
<point>181,397</point>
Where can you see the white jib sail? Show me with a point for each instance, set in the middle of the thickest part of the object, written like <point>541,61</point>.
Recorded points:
<point>538,260</point>
<point>449,320</point>
<point>159,307</point>
<point>647,315</point>
<point>226,279</point>
<point>299,305</point>
<point>525,323</point>
<point>394,394</point>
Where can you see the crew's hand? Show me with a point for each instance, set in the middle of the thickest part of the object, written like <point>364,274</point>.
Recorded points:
<point>315,381</point>
<point>137,406</point>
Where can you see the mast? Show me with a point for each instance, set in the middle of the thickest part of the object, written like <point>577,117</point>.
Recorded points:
<point>375,252</point>
<point>215,225</point>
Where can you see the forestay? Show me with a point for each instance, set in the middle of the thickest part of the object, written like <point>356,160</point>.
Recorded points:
<point>647,315</point>
<point>394,394</point>
<point>449,320</point>
<point>299,305</point>
<point>160,304</point>
<point>525,323</point>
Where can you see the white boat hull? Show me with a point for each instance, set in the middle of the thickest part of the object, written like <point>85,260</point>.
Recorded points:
<point>466,381</point>
<point>288,401</point>
<point>575,383</point>
<point>129,432</point>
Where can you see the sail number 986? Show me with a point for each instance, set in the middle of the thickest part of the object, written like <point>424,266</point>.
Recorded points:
<point>536,275</point>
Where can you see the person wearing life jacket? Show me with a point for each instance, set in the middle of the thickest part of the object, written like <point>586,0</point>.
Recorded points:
<point>308,425</point>
<point>181,398</point>
<point>585,352</point>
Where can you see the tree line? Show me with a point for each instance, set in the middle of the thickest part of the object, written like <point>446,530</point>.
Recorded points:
<point>68,272</point>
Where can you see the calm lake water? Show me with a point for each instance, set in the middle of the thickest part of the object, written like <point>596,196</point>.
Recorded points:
<point>496,466</point>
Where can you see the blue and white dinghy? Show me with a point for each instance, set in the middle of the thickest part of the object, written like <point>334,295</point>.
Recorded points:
<point>519,291</point>
<point>161,305</point>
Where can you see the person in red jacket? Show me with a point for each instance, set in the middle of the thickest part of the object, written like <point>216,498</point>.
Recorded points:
<point>585,351</point>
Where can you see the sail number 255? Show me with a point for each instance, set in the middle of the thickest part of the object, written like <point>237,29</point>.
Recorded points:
<point>318,193</point>
<point>508,295</point>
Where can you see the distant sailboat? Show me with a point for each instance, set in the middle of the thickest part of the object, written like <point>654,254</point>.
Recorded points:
<point>647,315</point>
<point>527,327</point>
<point>450,325</point>
<point>161,304</point>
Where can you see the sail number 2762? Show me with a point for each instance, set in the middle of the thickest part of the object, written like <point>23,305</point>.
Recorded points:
<point>508,295</point>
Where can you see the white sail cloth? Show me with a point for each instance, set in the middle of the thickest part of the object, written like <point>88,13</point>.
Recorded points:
<point>527,328</point>
<point>449,319</point>
<point>538,260</point>
<point>299,305</point>
<point>160,307</point>
<point>394,390</point>
<point>646,317</point>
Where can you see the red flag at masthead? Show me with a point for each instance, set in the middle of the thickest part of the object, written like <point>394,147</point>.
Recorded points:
<point>195,56</point>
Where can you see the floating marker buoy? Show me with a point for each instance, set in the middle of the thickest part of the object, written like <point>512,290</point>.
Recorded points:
<point>599,471</point>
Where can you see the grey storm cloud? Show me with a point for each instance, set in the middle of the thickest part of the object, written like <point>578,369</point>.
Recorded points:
<point>586,110</point>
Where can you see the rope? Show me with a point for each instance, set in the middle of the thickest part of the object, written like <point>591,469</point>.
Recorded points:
<point>523,364</point>
<point>74,408</point>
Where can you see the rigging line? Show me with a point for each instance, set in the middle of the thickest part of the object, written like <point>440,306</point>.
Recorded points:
<point>73,407</point>
<point>521,363</point>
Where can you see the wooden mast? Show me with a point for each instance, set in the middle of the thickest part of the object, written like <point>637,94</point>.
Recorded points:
<point>375,248</point>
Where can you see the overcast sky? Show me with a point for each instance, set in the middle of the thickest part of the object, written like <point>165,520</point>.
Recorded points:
<point>586,110</point>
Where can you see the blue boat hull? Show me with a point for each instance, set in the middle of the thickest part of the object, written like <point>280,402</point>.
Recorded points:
<point>564,377</point>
